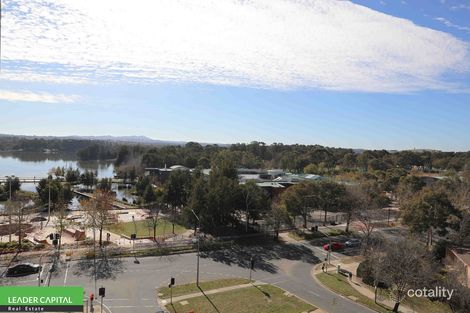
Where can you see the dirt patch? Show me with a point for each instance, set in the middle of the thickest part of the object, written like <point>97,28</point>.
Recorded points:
<point>13,229</point>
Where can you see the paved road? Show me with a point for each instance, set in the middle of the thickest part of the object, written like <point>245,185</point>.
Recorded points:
<point>131,287</point>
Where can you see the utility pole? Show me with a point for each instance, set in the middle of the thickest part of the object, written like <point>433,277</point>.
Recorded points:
<point>94,248</point>
<point>10,178</point>
<point>198,239</point>
<point>49,203</point>
<point>9,209</point>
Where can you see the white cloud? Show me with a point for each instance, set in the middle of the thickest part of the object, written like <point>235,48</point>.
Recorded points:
<point>450,24</point>
<point>460,7</point>
<point>326,44</point>
<point>29,96</point>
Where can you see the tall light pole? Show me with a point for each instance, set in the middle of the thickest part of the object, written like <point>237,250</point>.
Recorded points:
<point>197,234</point>
<point>49,203</point>
<point>9,209</point>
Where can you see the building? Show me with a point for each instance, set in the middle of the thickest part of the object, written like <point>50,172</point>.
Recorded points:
<point>458,259</point>
<point>162,174</point>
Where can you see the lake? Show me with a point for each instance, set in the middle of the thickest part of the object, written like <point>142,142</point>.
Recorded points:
<point>30,164</point>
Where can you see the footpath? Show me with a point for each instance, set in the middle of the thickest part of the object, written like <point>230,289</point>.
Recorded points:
<point>356,282</point>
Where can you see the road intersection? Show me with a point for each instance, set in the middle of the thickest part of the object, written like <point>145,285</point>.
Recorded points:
<point>131,287</point>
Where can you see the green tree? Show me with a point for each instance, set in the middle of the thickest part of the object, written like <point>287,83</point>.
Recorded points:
<point>197,203</point>
<point>58,191</point>
<point>330,197</point>
<point>177,191</point>
<point>72,175</point>
<point>301,200</point>
<point>149,194</point>
<point>429,211</point>
<point>88,178</point>
<point>105,184</point>
<point>276,217</point>
<point>255,201</point>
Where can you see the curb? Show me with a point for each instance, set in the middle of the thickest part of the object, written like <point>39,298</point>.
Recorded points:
<point>339,295</point>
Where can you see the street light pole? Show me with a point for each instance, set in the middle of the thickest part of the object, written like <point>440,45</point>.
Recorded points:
<point>9,209</point>
<point>49,202</point>
<point>198,239</point>
<point>10,186</point>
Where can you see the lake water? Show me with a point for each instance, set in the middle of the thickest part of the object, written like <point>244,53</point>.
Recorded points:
<point>25,164</point>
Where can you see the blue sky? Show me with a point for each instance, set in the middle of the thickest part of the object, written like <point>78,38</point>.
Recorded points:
<point>362,74</point>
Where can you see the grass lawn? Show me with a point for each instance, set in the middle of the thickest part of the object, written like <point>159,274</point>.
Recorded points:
<point>299,236</point>
<point>419,305</point>
<point>179,290</point>
<point>266,299</point>
<point>339,284</point>
<point>145,229</point>
<point>424,305</point>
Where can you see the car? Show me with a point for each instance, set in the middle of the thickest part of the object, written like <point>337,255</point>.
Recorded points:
<point>22,269</point>
<point>354,242</point>
<point>334,246</point>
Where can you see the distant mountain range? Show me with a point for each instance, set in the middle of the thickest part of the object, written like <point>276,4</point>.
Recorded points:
<point>144,140</point>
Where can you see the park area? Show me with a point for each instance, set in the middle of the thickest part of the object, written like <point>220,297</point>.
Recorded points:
<point>232,295</point>
<point>144,228</point>
<point>340,285</point>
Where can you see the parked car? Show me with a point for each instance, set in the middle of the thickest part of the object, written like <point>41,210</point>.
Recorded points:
<point>354,242</point>
<point>334,246</point>
<point>22,269</point>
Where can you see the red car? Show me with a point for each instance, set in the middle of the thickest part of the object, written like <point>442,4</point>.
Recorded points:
<point>334,246</point>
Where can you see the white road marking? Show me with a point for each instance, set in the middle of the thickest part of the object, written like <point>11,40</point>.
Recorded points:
<point>26,281</point>
<point>107,308</point>
<point>314,293</point>
<point>116,299</point>
<point>66,272</point>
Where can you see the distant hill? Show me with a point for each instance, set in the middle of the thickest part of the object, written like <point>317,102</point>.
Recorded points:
<point>144,140</point>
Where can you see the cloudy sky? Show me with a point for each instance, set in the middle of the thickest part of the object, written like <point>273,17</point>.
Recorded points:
<point>363,74</point>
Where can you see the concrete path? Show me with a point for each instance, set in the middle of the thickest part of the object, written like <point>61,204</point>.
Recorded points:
<point>362,288</point>
<point>211,292</point>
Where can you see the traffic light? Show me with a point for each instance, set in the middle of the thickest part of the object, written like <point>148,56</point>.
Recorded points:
<point>51,236</point>
<point>172,281</point>
<point>55,242</point>
<point>252,263</point>
<point>133,236</point>
<point>57,236</point>
<point>101,291</point>
<point>92,297</point>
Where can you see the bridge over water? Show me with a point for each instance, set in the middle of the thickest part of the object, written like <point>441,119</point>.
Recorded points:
<point>33,180</point>
<point>116,204</point>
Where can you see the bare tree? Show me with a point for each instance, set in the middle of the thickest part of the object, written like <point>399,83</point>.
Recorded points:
<point>460,300</point>
<point>60,222</point>
<point>98,211</point>
<point>405,264</point>
<point>153,218</point>
<point>15,209</point>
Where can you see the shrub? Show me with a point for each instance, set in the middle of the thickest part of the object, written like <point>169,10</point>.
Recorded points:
<point>364,270</point>
<point>439,250</point>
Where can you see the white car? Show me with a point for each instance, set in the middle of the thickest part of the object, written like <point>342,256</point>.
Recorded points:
<point>353,242</point>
